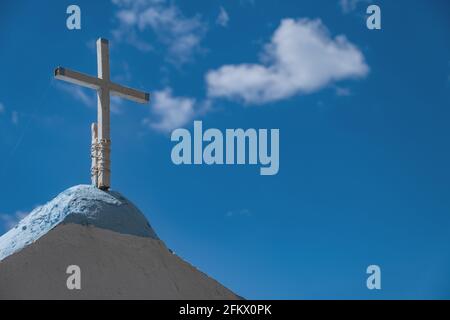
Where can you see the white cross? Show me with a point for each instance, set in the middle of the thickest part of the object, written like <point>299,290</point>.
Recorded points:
<point>101,141</point>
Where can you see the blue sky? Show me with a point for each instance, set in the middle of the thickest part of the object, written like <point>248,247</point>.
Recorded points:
<point>364,135</point>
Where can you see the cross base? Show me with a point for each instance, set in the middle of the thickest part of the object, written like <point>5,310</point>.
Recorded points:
<point>100,165</point>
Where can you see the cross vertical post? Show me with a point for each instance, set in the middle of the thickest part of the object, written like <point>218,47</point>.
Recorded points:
<point>94,154</point>
<point>103,105</point>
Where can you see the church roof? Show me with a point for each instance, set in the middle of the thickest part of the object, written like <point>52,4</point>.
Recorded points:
<point>84,205</point>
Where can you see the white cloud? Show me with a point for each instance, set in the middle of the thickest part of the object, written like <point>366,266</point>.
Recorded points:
<point>348,6</point>
<point>301,58</point>
<point>180,34</point>
<point>172,112</point>
<point>223,17</point>
<point>10,220</point>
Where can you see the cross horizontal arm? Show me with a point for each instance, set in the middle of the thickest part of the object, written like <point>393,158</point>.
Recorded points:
<point>128,93</point>
<point>78,78</point>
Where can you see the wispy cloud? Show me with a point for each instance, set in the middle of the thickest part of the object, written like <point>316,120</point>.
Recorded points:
<point>88,97</point>
<point>170,111</point>
<point>15,117</point>
<point>125,74</point>
<point>301,58</point>
<point>343,92</point>
<point>223,17</point>
<point>247,2</point>
<point>9,221</point>
<point>181,35</point>
<point>241,212</point>
<point>116,104</point>
<point>83,95</point>
<point>348,6</point>
<point>448,77</point>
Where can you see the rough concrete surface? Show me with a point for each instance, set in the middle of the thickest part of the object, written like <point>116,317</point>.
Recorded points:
<point>113,266</point>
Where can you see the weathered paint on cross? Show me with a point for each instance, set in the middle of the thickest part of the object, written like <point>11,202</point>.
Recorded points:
<point>101,132</point>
